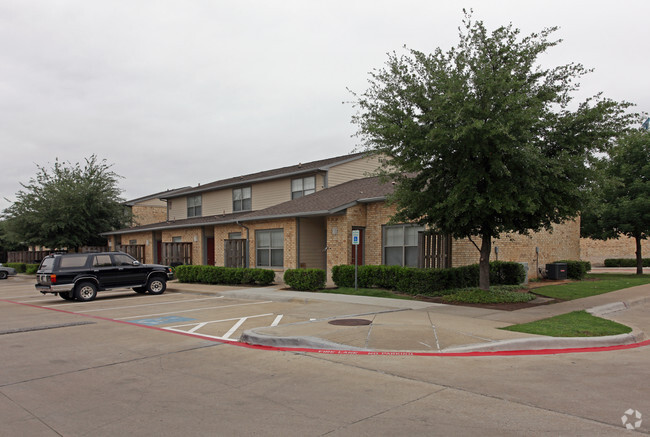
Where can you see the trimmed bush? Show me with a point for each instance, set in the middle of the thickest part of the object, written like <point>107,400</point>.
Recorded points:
<point>223,275</point>
<point>20,267</point>
<point>576,269</point>
<point>31,269</point>
<point>625,262</point>
<point>432,282</point>
<point>305,279</point>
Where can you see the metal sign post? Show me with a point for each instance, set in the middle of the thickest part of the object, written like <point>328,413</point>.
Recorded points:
<point>355,243</point>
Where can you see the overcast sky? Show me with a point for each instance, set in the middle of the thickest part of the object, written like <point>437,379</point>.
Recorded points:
<point>176,93</point>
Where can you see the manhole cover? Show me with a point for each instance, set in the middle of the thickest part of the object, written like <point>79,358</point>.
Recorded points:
<point>350,322</point>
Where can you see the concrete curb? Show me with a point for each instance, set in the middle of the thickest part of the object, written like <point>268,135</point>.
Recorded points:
<point>257,339</point>
<point>530,343</point>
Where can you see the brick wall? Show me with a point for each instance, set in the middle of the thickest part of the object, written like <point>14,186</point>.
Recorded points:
<point>596,251</point>
<point>145,215</point>
<point>562,243</point>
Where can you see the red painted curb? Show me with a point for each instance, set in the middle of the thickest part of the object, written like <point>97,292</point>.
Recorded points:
<point>355,352</point>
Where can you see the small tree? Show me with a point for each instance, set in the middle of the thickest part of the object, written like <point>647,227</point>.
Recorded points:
<point>621,204</point>
<point>479,140</point>
<point>67,206</point>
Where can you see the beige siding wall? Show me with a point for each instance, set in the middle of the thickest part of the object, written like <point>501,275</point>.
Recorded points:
<point>177,208</point>
<point>597,251</point>
<point>152,202</point>
<point>357,169</point>
<point>216,202</point>
<point>562,243</point>
<point>266,194</point>
<point>312,243</point>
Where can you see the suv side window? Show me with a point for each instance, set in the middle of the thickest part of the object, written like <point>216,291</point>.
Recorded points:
<point>123,260</point>
<point>73,262</point>
<point>102,261</point>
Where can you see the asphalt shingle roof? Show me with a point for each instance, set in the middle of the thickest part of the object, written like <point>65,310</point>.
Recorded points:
<point>267,174</point>
<point>323,202</point>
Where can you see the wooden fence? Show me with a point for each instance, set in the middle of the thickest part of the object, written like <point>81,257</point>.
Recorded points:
<point>36,256</point>
<point>135,250</point>
<point>434,251</point>
<point>235,253</point>
<point>174,254</point>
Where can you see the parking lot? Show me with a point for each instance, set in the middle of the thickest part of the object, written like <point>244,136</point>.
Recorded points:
<point>208,315</point>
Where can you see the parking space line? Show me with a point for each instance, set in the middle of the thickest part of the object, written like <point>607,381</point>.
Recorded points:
<point>277,320</point>
<point>226,336</point>
<point>153,304</point>
<point>195,309</point>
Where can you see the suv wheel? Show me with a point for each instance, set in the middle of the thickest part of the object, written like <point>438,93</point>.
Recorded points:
<point>67,295</point>
<point>85,291</point>
<point>156,285</point>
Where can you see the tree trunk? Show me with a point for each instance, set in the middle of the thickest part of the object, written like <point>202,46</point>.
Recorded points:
<point>639,257</point>
<point>484,262</point>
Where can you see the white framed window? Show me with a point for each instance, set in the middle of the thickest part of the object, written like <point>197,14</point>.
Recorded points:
<point>270,248</point>
<point>400,245</point>
<point>303,186</point>
<point>241,199</point>
<point>194,206</point>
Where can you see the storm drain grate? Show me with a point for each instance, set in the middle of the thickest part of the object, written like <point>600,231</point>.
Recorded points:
<point>350,322</point>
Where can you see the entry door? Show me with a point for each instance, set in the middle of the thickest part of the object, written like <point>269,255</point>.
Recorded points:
<point>358,249</point>
<point>210,249</point>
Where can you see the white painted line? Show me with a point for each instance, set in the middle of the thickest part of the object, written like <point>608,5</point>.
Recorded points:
<point>277,320</point>
<point>235,327</point>
<point>195,309</point>
<point>240,321</point>
<point>153,304</point>
<point>199,326</point>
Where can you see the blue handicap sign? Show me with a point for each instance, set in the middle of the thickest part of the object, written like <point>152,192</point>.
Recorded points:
<point>161,320</point>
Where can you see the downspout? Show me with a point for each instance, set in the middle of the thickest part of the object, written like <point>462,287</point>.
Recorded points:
<point>248,242</point>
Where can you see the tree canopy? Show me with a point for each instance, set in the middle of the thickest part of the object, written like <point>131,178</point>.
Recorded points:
<point>67,206</point>
<point>621,202</point>
<point>480,140</point>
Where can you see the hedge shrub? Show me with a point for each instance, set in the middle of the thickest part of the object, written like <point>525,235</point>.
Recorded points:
<point>223,275</point>
<point>625,262</point>
<point>20,267</point>
<point>305,279</point>
<point>434,282</point>
<point>576,269</point>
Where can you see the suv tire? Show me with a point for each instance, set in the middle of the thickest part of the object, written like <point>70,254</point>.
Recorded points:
<point>67,295</point>
<point>85,291</point>
<point>156,285</point>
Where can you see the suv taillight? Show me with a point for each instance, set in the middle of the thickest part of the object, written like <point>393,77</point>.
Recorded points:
<point>52,279</point>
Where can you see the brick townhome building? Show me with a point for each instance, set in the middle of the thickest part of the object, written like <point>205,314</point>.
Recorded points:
<point>302,216</point>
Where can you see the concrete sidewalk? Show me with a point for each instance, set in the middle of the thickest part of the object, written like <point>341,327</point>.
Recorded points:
<point>381,324</point>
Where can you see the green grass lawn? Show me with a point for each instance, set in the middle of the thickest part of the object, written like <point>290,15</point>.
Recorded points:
<point>574,324</point>
<point>372,292</point>
<point>594,284</point>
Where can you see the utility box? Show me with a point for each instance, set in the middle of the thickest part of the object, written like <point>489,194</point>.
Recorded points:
<point>556,271</point>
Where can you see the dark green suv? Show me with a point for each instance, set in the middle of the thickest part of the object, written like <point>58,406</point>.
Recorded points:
<point>81,275</point>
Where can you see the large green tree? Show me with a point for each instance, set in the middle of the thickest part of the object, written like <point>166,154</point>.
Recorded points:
<point>621,202</point>
<point>67,206</point>
<point>480,140</point>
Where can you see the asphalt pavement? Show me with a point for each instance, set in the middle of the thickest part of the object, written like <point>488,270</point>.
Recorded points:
<point>393,325</point>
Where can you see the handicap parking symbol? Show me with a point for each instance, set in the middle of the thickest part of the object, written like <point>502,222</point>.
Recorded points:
<point>161,320</point>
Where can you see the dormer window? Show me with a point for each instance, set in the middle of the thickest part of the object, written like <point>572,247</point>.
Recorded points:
<point>194,206</point>
<point>241,199</point>
<point>303,186</point>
